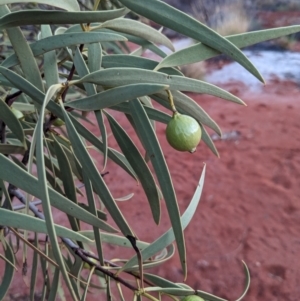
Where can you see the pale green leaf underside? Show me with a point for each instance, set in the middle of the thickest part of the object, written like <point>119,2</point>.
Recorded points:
<point>115,96</point>
<point>201,52</point>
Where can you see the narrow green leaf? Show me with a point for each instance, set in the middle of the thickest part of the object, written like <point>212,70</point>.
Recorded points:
<point>36,17</point>
<point>54,285</point>
<point>170,17</point>
<point>199,52</point>
<point>247,283</point>
<point>92,208</point>
<point>23,52</point>
<point>94,56</point>
<point>156,155</point>
<point>98,183</point>
<point>34,268</point>
<point>70,5</point>
<point>63,40</point>
<point>125,76</point>
<point>115,96</point>
<point>67,180</point>
<point>15,175</point>
<point>8,270</point>
<point>168,237</point>
<point>30,223</point>
<point>208,141</point>
<point>138,164</point>
<point>138,29</point>
<point>50,65</point>
<point>45,198</point>
<point>125,60</point>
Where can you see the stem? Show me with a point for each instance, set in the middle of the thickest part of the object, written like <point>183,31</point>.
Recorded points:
<point>171,100</point>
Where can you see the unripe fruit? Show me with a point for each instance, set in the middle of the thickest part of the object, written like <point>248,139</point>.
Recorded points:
<point>192,298</point>
<point>17,113</point>
<point>87,266</point>
<point>183,133</point>
<point>58,122</point>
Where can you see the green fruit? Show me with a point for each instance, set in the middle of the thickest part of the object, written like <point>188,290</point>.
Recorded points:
<point>17,113</point>
<point>58,122</point>
<point>183,133</point>
<point>192,298</point>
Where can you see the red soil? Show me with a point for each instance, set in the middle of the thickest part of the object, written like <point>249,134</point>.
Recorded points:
<point>250,207</point>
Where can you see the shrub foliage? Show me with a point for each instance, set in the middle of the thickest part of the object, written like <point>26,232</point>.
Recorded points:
<point>79,67</point>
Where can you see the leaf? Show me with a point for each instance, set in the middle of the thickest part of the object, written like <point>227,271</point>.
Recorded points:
<point>125,76</point>
<point>138,164</point>
<point>200,52</point>
<point>98,183</point>
<point>70,5</point>
<point>172,18</point>
<point>150,142</point>
<point>23,52</point>
<point>94,56</point>
<point>63,40</point>
<point>30,223</point>
<point>208,141</point>
<point>9,268</point>
<point>168,237</point>
<point>15,175</point>
<point>36,17</point>
<point>54,285</point>
<point>115,96</point>
<point>50,65</point>
<point>7,116</point>
<point>247,284</point>
<point>44,190</point>
<point>125,60</point>
<point>138,29</point>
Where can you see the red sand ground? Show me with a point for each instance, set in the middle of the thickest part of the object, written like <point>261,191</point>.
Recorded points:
<point>250,207</point>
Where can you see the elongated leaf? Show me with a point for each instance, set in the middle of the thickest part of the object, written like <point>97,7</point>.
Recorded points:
<point>26,222</point>
<point>139,165</point>
<point>15,175</point>
<point>63,40</point>
<point>54,286</point>
<point>200,52</point>
<point>125,76</point>
<point>70,5</point>
<point>9,268</point>
<point>125,60</point>
<point>98,183</point>
<point>138,29</point>
<point>115,96</point>
<point>168,237</point>
<point>67,179</point>
<point>155,153</point>
<point>94,56</point>
<point>50,65</point>
<point>7,115</point>
<point>92,208</point>
<point>34,17</point>
<point>170,17</point>
<point>247,282</point>
<point>44,190</point>
<point>38,98</point>
<point>208,141</point>
<point>23,52</point>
